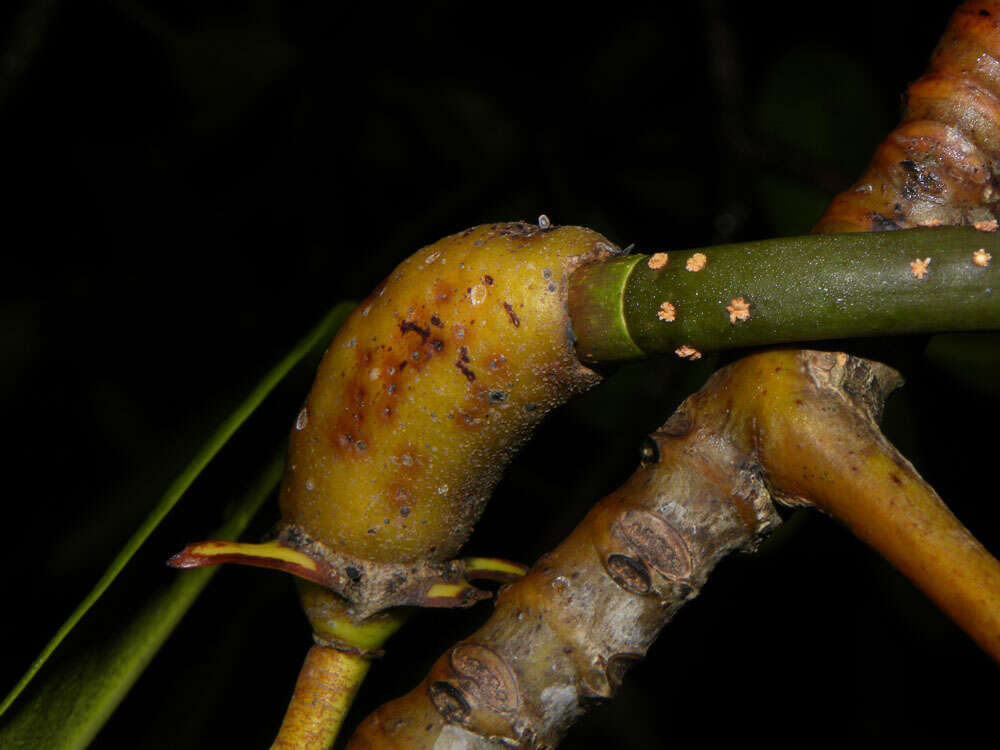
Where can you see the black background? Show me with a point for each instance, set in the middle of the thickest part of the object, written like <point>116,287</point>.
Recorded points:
<point>191,185</point>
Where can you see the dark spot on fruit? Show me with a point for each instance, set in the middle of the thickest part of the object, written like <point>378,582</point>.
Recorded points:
<point>895,479</point>
<point>513,315</point>
<point>530,406</point>
<point>436,321</point>
<point>408,325</point>
<point>497,397</point>
<point>519,229</point>
<point>353,573</point>
<point>404,512</point>
<point>488,280</point>
<point>437,345</point>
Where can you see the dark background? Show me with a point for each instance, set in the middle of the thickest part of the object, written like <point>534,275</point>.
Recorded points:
<point>191,185</point>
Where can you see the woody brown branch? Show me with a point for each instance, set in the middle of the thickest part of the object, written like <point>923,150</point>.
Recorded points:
<point>796,426</point>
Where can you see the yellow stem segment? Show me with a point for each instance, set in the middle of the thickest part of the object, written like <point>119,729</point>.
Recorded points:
<point>847,468</point>
<point>326,687</point>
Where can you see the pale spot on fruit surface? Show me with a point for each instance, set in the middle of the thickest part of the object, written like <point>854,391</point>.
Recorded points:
<point>981,257</point>
<point>986,226</point>
<point>667,313</point>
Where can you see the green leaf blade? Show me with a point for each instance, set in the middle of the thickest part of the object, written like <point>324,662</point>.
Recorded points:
<point>80,696</point>
<point>99,686</point>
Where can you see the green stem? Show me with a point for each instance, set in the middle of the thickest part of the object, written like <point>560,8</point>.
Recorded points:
<point>797,288</point>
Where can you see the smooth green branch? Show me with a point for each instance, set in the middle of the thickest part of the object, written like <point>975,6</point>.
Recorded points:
<point>785,290</point>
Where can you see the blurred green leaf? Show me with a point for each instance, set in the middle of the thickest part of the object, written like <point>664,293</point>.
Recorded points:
<point>317,337</point>
<point>82,693</point>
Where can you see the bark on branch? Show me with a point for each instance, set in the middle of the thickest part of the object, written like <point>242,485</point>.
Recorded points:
<point>799,427</point>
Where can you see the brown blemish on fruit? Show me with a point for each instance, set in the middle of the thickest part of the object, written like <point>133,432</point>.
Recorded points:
<point>739,309</point>
<point>512,315</point>
<point>400,495</point>
<point>918,267</point>
<point>687,352</point>
<point>667,313</point>
<point>981,258</point>
<point>518,229</point>
<point>408,325</point>
<point>462,363</point>
<point>442,291</point>
<point>696,262</point>
<point>658,261</point>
